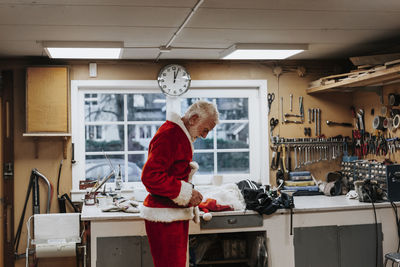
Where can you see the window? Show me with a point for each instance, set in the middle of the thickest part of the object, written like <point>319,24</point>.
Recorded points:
<point>114,121</point>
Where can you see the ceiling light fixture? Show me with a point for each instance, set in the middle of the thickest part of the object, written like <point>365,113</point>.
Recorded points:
<point>262,51</point>
<point>83,50</point>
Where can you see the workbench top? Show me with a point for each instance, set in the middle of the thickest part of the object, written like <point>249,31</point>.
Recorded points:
<point>303,204</point>
<point>324,203</point>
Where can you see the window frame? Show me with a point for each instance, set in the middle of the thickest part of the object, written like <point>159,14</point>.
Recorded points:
<point>258,163</point>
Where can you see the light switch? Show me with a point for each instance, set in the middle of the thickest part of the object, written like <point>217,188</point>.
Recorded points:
<point>92,70</point>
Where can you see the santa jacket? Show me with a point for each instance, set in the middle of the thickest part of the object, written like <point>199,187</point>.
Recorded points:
<point>165,174</point>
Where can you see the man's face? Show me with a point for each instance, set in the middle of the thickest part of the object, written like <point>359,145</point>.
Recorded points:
<point>201,127</point>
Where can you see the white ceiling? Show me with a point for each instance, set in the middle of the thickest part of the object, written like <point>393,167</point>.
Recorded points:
<point>332,28</point>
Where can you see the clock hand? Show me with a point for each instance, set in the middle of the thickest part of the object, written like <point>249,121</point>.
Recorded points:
<point>176,74</point>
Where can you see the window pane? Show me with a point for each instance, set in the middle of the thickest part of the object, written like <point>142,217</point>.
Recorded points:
<point>233,108</point>
<point>135,165</point>
<point>233,135</point>
<point>233,162</point>
<point>205,161</point>
<point>140,135</point>
<point>146,107</point>
<point>112,138</point>
<point>104,107</point>
<point>206,143</point>
<point>98,166</point>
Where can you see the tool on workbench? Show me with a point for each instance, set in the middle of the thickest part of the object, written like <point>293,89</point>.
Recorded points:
<point>291,103</point>
<point>271,98</point>
<point>333,123</point>
<point>309,115</point>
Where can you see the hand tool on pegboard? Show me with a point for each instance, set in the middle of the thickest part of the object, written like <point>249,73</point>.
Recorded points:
<point>271,98</point>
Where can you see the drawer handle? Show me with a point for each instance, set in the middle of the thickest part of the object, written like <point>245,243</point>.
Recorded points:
<point>232,221</point>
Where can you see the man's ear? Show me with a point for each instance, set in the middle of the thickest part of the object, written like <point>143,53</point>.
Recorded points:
<point>193,119</point>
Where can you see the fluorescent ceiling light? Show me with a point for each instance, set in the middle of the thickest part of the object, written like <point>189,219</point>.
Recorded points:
<point>83,50</point>
<point>262,51</point>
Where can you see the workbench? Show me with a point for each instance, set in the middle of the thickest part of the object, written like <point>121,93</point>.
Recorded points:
<point>309,211</point>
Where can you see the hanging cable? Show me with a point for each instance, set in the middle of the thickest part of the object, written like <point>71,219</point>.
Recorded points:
<point>397,224</point>
<point>194,9</point>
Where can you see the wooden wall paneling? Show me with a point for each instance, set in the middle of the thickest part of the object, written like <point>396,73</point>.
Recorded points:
<point>7,174</point>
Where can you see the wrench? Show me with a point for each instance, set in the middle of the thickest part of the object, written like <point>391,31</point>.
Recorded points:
<point>282,117</point>
<point>292,115</point>
<point>290,121</point>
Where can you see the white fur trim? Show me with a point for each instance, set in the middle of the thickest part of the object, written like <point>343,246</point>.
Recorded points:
<point>174,117</point>
<point>184,195</point>
<point>194,166</point>
<point>196,212</point>
<point>166,214</point>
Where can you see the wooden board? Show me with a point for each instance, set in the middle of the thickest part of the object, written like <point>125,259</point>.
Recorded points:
<point>378,77</point>
<point>47,99</point>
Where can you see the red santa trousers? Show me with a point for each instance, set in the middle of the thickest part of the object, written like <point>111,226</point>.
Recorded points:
<point>168,242</point>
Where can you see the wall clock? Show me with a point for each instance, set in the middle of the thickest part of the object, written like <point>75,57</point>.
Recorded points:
<point>174,80</point>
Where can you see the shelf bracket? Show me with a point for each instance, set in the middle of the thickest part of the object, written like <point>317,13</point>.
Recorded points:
<point>65,143</point>
<point>36,147</point>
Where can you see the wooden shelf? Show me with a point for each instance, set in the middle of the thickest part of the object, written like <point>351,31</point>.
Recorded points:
<point>37,136</point>
<point>356,80</point>
<point>47,134</point>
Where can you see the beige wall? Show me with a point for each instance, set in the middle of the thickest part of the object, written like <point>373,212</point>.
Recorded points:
<point>333,106</point>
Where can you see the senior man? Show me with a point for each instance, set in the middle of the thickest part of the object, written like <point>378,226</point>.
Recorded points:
<point>166,175</point>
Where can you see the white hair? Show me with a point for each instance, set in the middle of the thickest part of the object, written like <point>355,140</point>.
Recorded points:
<point>203,109</point>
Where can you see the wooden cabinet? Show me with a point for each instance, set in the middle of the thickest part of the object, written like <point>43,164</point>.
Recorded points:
<point>47,100</point>
<point>121,251</point>
<point>334,246</point>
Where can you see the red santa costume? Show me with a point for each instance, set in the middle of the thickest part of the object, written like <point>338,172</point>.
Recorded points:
<point>165,176</point>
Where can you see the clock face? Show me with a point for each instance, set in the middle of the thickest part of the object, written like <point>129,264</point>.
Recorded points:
<point>174,80</point>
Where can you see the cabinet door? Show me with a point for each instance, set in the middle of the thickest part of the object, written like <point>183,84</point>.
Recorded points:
<point>358,245</point>
<point>337,246</point>
<point>316,246</point>
<point>147,259</point>
<point>121,251</point>
<point>47,99</point>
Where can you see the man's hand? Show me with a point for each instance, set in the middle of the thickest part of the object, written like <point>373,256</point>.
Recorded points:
<point>196,198</point>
